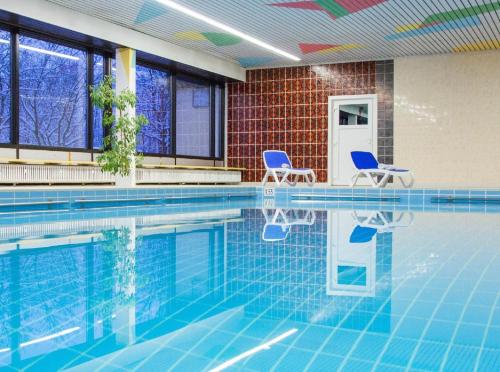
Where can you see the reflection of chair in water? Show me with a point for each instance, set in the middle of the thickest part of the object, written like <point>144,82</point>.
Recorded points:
<point>383,221</point>
<point>362,234</point>
<point>279,222</point>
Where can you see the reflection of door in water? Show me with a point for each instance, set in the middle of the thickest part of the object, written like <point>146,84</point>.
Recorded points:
<point>351,257</point>
<point>353,128</point>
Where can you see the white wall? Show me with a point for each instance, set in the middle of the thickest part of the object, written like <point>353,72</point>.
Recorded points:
<point>447,118</point>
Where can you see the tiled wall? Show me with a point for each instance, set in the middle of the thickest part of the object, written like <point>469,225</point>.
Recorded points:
<point>287,109</point>
<point>448,119</point>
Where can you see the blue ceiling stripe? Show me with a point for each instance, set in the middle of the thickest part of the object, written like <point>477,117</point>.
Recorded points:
<point>149,10</point>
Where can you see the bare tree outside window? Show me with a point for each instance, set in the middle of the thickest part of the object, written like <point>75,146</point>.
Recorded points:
<point>5,119</point>
<point>154,102</point>
<point>53,94</point>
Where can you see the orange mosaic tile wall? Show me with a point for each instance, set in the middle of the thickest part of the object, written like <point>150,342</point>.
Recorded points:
<point>287,109</point>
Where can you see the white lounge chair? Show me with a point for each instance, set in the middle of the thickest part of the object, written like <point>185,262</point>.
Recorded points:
<point>278,165</point>
<point>367,166</point>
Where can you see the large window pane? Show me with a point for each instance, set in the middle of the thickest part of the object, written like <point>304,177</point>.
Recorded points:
<point>53,94</point>
<point>193,118</point>
<point>5,121</point>
<point>98,129</point>
<point>153,101</point>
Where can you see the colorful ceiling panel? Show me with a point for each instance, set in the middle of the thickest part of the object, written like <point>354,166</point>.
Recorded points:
<point>318,31</point>
<point>216,38</point>
<point>325,48</point>
<point>334,8</point>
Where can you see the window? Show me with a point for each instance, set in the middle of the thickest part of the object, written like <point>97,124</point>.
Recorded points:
<point>97,126</point>
<point>50,106</point>
<point>52,94</point>
<point>5,120</point>
<point>193,118</point>
<point>154,102</point>
<point>353,114</point>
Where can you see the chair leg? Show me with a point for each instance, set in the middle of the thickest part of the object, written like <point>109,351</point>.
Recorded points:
<point>276,179</point>
<point>283,180</point>
<point>266,176</point>
<point>354,179</point>
<point>409,184</point>
<point>312,180</point>
<point>384,180</point>
<point>293,182</point>
<point>373,180</point>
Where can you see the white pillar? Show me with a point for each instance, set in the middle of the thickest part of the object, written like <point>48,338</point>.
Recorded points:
<point>125,288</point>
<point>125,79</point>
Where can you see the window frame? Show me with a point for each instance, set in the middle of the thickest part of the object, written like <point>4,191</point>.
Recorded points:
<point>107,55</point>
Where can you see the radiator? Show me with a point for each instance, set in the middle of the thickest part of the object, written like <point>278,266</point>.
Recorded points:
<point>74,174</point>
<point>163,176</point>
<point>52,174</point>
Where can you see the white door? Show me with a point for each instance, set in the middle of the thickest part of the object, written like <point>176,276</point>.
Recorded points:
<point>353,127</point>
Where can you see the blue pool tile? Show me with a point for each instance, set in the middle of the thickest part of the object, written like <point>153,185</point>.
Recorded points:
<point>477,314</point>
<point>296,360</point>
<point>399,351</point>
<point>313,337</point>
<point>469,334</point>
<point>489,360</point>
<point>411,327</point>
<point>440,331</point>
<point>356,365</point>
<point>429,356</point>
<point>341,342</point>
<point>324,362</point>
<point>461,358</point>
<point>369,346</point>
<point>389,368</point>
<point>493,338</point>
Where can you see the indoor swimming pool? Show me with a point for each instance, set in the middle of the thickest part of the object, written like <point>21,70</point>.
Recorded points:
<point>230,285</point>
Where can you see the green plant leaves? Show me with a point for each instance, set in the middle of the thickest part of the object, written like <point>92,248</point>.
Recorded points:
<point>120,144</point>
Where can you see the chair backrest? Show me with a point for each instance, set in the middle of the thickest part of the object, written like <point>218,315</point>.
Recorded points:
<point>276,159</point>
<point>275,232</point>
<point>362,234</point>
<point>364,160</point>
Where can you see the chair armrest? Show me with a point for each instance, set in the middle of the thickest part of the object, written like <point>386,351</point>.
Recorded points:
<point>385,166</point>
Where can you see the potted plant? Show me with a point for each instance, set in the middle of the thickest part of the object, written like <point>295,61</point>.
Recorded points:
<point>119,155</point>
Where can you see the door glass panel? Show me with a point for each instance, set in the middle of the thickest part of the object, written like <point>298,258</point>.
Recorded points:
<point>356,114</point>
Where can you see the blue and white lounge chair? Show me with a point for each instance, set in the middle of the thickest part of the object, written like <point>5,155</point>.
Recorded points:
<point>367,166</point>
<point>278,164</point>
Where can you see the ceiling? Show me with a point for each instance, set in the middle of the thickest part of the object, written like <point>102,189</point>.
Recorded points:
<point>317,31</point>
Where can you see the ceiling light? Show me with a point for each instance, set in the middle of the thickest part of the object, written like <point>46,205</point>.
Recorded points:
<point>229,29</point>
<point>246,354</point>
<point>43,51</point>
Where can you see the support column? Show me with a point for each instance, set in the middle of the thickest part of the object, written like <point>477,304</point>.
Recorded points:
<point>125,286</point>
<point>126,79</point>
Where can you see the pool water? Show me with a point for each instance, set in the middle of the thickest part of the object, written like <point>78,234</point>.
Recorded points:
<point>236,288</point>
